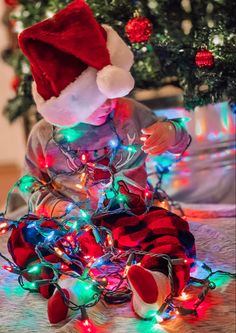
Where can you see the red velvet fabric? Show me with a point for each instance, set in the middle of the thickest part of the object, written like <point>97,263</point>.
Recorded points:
<point>23,254</point>
<point>59,49</point>
<point>158,231</point>
<point>57,309</point>
<point>144,283</point>
<point>21,251</point>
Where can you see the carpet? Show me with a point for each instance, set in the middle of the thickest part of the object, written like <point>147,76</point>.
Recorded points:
<point>21,311</point>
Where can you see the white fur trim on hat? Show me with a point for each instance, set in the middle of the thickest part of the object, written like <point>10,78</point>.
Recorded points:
<point>114,81</point>
<point>75,103</point>
<point>120,54</point>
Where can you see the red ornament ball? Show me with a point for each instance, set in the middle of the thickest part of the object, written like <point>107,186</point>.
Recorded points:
<point>11,3</point>
<point>138,29</point>
<point>204,58</point>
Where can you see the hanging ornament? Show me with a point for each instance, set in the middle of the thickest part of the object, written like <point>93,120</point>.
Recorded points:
<point>138,29</point>
<point>204,59</point>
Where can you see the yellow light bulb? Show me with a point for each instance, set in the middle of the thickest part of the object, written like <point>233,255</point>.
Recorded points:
<point>184,296</point>
<point>58,251</point>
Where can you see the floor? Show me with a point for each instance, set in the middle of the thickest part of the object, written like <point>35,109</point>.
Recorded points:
<point>9,174</point>
<point>215,240</point>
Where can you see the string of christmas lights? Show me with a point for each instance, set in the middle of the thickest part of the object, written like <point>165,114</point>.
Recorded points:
<point>103,277</point>
<point>111,296</point>
<point>119,293</point>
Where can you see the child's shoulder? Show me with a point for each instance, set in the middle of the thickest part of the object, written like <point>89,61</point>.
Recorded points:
<point>41,130</point>
<point>129,102</point>
<point>127,107</point>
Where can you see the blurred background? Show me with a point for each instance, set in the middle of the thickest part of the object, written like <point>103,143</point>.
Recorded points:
<point>12,140</point>
<point>185,60</point>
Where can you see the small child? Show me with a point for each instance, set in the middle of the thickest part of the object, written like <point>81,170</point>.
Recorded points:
<point>81,71</point>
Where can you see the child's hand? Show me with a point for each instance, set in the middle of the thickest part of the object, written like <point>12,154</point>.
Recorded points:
<point>160,137</point>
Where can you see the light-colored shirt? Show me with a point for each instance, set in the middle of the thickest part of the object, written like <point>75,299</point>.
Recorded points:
<point>73,162</point>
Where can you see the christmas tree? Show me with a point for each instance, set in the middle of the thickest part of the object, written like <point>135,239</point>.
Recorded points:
<point>44,247</point>
<point>187,44</point>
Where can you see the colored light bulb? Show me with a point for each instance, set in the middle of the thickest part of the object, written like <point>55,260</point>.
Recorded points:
<point>71,134</point>
<point>184,296</point>
<point>159,319</point>
<point>8,268</point>
<point>69,207</point>
<point>75,225</point>
<point>87,326</point>
<point>58,251</point>
<point>26,182</point>
<point>3,225</point>
<point>83,213</point>
<point>143,138</point>
<point>109,240</point>
<point>121,197</point>
<point>147,193</point>
<point>34,269</point>
<point>113,143</point>
<point>131,149</point>
<point>51,235</point>
<point>83,158</point>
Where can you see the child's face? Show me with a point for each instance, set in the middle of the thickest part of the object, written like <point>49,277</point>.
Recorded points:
<point>99,116</point>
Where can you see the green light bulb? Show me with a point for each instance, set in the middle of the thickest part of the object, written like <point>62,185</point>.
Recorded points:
<point>74,225</point>
<point>121,198</point>
<point>34,269</point>
<point>110,194</point>
<point>84,214</point>
<point>26,182</point>
<point>86,291</point>
<point>185,120</point>
<point>71,134</point>
<point>131,149</point>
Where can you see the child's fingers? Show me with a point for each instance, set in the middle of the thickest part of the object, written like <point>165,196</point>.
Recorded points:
<point>152,140</point>
<point>158,150</point>
<point>157,146</point>
<point>162,139</point>
<point>150,130</point>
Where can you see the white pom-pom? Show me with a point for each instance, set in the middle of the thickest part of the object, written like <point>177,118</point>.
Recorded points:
<point>114,81</point>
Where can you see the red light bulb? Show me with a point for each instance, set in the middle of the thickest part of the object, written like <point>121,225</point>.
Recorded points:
<point>7,268</point>
<point>84,158</point>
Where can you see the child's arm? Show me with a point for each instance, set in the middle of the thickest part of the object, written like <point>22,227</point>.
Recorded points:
<point>47,200</point>
<point>162,134</point>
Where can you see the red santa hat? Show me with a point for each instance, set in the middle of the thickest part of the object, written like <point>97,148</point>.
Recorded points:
<point>76,64</point>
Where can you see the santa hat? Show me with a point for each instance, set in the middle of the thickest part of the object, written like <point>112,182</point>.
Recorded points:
<point>76,64</point>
